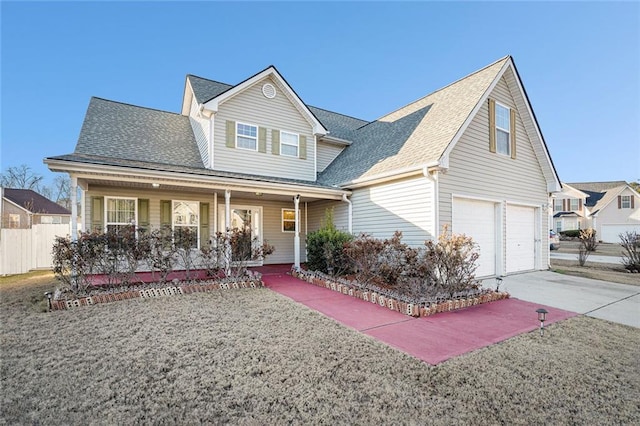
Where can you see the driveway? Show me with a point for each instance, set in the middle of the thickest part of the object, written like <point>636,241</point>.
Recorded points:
<point>599,299</point>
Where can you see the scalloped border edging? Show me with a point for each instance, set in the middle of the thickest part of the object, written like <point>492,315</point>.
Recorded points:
<point>411,309</point>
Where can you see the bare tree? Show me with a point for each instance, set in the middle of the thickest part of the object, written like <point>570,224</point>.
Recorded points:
<point>21,177</point>
<point>61,191</point>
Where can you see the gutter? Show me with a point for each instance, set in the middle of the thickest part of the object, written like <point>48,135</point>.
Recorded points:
<point>395,174</point>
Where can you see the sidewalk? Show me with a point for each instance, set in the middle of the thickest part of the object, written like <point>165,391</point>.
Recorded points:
<point>617,260</point>
<point>431,339</point>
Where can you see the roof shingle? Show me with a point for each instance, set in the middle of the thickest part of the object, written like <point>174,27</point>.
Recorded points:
<point>33,202</point>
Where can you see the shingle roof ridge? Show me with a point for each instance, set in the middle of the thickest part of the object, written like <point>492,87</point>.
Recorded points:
<point>339,113</point>
<point>504,58</point>
<point>135,106</point>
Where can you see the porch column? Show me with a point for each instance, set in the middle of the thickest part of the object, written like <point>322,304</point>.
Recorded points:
<point>227,226</point>
<point>296,238</point>
<point>74,208</point>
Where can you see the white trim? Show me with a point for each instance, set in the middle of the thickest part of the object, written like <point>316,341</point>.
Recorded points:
<point>214,103</point>
<point>240,123</point>
<point>297,145</point>
<point>282,220</point>
<point>115,197</point>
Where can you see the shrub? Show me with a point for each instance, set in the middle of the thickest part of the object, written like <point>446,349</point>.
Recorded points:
<point>630,242</point>
<point>324,248</point>
<point>588,244</point>
<point>572,233</point>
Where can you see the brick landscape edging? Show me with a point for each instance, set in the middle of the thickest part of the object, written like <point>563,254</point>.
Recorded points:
<point>411,309</point>
<point>156,291</point>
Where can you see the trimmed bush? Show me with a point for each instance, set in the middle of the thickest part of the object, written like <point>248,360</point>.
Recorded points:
<point>325,248</point>
<point>573,233</point>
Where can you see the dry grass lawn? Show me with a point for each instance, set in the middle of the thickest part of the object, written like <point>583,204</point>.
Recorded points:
<point>255,357</point>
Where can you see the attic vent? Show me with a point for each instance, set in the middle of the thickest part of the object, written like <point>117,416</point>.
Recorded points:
<point>269,91</point>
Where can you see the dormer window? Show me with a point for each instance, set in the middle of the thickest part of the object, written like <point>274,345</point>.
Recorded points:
<point>246,136</point>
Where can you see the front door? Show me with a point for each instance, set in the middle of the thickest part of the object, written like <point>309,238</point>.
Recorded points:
<point>247,218</point>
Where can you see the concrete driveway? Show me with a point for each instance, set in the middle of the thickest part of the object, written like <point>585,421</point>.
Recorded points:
<point>599,299</point>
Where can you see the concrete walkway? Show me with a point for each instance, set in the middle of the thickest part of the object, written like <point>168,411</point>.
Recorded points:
<point>599,299</point>
<point>617,260</point>
<point>432,339</point>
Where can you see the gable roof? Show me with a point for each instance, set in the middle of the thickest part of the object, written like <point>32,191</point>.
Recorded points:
<point>596,190</point>
<point>117,130</point>
<point>610,195</point>
<point>205,89</point>
<point>33,202</point>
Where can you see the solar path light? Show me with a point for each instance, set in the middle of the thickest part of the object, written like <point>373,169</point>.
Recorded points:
<point>542,316</point>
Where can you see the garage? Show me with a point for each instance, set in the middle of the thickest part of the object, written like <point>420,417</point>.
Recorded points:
<point>521,238</point>
<point>610,233</point>
<point>477,219</point>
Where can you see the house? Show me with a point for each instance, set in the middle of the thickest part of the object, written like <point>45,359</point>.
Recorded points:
<point>613,208</point>
<point>570,211</point>
<point>469,155</point>
<point>23,208</point>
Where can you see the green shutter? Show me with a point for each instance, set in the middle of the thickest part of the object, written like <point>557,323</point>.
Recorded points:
<point>302,149</point>
<point>165,213</point>
<point>97,213</point>
<point>204,224</point>
<point>262,139</point>
<point>513,133</point>
<point>492,125</point>
<point>143,215</point>
<point>231,134</point>
<point>275,142</point>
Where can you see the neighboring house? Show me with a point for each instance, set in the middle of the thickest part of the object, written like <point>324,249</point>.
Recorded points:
<point>23,208</point>
<point>613,208</point>
<point>469,155</point>
<point>569,210</point>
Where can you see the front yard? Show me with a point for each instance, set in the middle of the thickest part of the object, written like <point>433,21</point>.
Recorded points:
<point>254,357</point>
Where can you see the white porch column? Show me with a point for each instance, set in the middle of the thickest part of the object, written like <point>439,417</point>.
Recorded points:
<point>74,208</point>
<point>227,226</point>
<point>296,238</point>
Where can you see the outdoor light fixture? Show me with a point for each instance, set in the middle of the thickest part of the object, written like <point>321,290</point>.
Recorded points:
<point>155,185</point>
<point>258,194</point>
<point>498,283</point>
<point>542,316</point>
<point>49,297</point>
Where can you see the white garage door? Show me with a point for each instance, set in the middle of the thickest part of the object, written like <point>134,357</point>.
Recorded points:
<point>521,239</point>
<point>610,233</point>
<point>477,219</point>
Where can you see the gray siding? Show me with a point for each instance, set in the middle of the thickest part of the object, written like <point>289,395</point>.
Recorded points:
<point>404,205</point>
<point>476,172</point>
<point>200,126</point>
<point>252,107</point>
<point>318,209</point>
<point>327,152</point>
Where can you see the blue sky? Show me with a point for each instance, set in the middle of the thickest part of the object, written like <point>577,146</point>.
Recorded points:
<point>580,64</point>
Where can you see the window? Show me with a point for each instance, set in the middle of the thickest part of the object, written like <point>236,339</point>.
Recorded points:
<point>558,226</point>
<point>288,220</point>
<point>557,205</point>
<point>575,204</point>
<point>50,219</point>
<point>625,201</point>
<point>186,223</point>
<point>289,144</point>
<point>120,212</point>
<point>246,136</point>
<point>14,221</point>
<point>503,126</point>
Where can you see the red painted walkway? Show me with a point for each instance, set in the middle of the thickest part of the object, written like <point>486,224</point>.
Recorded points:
<point>432,339</point>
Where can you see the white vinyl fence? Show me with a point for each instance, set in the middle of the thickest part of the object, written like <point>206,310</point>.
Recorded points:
<point>22,250</point>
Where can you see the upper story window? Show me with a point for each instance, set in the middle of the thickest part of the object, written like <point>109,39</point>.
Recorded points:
<point>575,204</point>
<point>14,220</point>
<point>289,144</point>
<point>503,129</point>
<point>246,136</point>
<point>558,205</point>
<point>625,201</point>
<point>120,212</point>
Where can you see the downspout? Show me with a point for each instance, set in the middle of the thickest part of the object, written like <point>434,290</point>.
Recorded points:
<point>296,238</point>
<point>349,214</point>
<point>433,176</point>
<point>211,135</point>
<point>74,208</point>
<point>227,225</point>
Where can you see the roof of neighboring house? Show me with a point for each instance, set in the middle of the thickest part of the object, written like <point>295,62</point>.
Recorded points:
<point>33,202</point>
<point>596,190</point>
<point>609,196</point>
<point>566,214</point>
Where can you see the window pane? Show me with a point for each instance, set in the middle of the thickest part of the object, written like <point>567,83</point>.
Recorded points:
<point>574,204</point>
<point>557,205</point>
<point>288,214</point>
<point>246,130</point>
<point>289,138</point>
<point>289,150</point>
<point>626,202</point>
<point>185,212</point>
<point>289,226</point>
<point>246,143</point>
<point>503,117</point>
<point>502,142</point>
